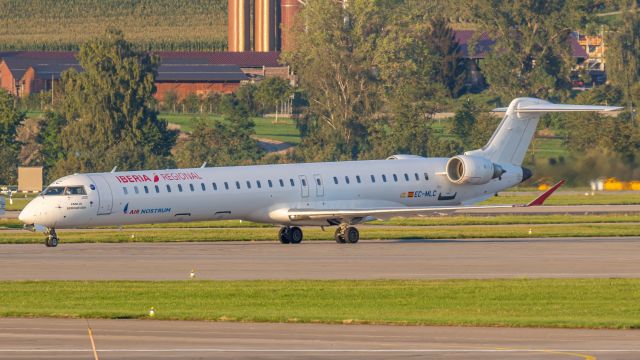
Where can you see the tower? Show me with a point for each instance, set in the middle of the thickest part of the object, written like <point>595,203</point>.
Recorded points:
<point>239,31</point>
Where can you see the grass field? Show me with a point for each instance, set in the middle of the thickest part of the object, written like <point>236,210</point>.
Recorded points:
<point>313,233</point>
<point>150,24</point>
<point>609,198</point>
<point>579,303</point>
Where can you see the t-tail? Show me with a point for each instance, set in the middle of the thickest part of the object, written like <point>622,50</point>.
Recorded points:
<point>510,141</point>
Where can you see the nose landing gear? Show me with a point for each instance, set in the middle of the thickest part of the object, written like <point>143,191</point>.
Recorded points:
<point>52,238</point>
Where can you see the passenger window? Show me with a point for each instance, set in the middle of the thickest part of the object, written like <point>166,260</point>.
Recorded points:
<point>248,184</point>
<point>384,178</point>
<point>180,187</point>
<point>203,186</point>
<point>292,182</point>
<point>346,179</point>
<point>168,188</point>
<point>258,183</point>
<point>406,177</point>
<point>358,179</point>
<point>281,183</point>
<point>335,180</point>
<point>191,187</point>
<point>270,183</point>
<point>318,181</point>
<point>215,187</point>
<point>395,177</point>
<point>426,176</point>
<point>373,179</point>
<point>146,189</point>
<point>304,182</point>
<point>238,185</point>
<point>126,192</point>
<point>135,189</point>
<point>157,189</point>
<point>226,185</point>
<point>417,177</point>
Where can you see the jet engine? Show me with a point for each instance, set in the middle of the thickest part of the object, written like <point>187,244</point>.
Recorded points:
<point>475,170</point>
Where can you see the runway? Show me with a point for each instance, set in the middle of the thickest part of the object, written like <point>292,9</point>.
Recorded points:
<point>401,259</point>
<point>144,339</point>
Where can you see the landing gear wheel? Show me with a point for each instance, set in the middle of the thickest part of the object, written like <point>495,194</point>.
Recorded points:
<point>339,236</point>
<point>52,238</point>
<point>352,235</point>
<point>295,235</point>
<point>284,235</point>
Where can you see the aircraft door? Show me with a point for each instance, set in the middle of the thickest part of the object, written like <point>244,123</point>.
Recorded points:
<point>319,185</point>
<point>105,196</point>
<point>304,186</point>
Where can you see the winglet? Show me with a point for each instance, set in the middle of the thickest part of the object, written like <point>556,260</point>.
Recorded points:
<point>540,199</point>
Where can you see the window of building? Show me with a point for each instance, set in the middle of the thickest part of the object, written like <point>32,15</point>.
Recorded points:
<point>126,192</point>
<point>373,179</point>
<point>358,179</point>
<point>157,189</point>
<point>168,188</point>
<point>395,177</point>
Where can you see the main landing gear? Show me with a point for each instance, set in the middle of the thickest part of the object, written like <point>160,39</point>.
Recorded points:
<point>52,238</point>
<point>347,234</point>
<point>290,235</point>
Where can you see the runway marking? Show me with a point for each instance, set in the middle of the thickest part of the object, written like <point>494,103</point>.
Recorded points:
<point>572,352</point>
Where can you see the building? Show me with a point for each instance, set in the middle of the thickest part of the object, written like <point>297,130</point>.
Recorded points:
<point>23,73</point>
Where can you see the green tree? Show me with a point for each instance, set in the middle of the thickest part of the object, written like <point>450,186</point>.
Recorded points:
<point>226,142</point>
<point>473,125</point>
<point>10,120</point>
<point>246,95</point>
<point>623,56</point>
<point>50,140</point>
<point>110,120</point>
<point>446,49</point>
<point>531,54</point>
<point>272,92</point>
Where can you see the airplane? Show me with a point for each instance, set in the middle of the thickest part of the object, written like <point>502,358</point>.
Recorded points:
<point>341,194</point>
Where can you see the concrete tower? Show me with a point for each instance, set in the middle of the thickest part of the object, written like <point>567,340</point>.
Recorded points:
<point>289,9</point>
<point>239,31</point>
<point>265,31</point>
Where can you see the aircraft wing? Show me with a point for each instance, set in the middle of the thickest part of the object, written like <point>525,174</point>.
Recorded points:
<point>386,212</point>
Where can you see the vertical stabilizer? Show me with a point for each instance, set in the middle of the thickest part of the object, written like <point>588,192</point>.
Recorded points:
<point>510,141</point>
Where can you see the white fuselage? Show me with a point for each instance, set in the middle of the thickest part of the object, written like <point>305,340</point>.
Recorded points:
<point>262,193</point>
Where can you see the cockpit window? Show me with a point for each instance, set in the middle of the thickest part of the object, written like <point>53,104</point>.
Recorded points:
<point>62,190</point>
<point>53,190</point>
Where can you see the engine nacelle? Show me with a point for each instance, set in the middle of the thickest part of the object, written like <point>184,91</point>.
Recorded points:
<point>475,170</point>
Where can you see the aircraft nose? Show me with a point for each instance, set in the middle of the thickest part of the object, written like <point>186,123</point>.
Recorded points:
<point>27,214</point>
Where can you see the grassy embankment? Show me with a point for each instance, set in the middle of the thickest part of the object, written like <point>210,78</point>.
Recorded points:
<point>580,303</point>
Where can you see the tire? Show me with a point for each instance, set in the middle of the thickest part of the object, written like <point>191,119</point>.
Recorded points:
<point>295,235</point>
<point>338,236</point>
<point>352,235</point>
<point>53,241</point>
<point>284,235</point>
<point>47,243</point>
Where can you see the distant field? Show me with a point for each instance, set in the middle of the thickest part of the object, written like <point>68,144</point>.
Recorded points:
<point>285,130</point>
<point>150,24</point>
<point>575,303</point>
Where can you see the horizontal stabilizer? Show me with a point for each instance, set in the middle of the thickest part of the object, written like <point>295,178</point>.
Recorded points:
<point>540,199</point>
<point>545,108</point>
